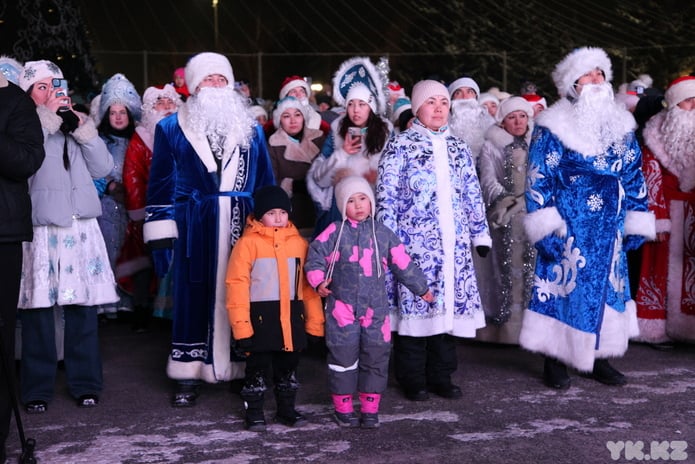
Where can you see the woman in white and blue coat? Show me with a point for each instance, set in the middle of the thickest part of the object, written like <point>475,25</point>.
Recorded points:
<point>429,194</point>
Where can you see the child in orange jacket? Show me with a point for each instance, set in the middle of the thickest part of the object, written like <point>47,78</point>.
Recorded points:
<point>271,306</point>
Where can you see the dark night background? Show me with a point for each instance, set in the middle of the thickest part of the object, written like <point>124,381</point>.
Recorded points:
<point>500,43</point>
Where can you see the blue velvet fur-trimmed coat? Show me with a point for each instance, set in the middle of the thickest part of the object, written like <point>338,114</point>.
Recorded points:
<point>587,205</point>
<point>204,208</point>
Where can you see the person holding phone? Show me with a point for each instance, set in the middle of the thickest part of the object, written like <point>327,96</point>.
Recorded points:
<point>357,137</point>
<point>67,264</point>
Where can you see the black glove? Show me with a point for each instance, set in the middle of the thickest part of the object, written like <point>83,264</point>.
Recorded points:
<point>244,344</point>
<point>70,121</point>
<point>482,250</point>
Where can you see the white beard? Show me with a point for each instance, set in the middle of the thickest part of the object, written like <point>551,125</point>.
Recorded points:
<point>596,113</point>
<point>221,112</point>
<point>470,121</point>
<point>678,135</point>
<point>150,118</point>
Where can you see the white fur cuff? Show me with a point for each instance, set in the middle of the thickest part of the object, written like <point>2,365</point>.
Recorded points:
<point>640,223</point>
<point>156,230</point>
<point>86,132</point>
<point>542,223</point>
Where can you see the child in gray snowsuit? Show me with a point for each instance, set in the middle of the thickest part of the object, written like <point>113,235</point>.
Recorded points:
<point>346,264</point>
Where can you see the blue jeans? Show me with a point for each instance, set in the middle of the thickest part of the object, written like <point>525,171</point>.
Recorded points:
<point>39,359</point>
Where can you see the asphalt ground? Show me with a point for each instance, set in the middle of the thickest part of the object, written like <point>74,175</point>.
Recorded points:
<point>506,415</point>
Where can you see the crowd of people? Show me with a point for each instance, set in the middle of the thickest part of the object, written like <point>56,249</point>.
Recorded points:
<point>389,223</point>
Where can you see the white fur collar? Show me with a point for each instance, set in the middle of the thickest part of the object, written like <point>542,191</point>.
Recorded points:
<point>147,136</point>
<point>559,119</point>
<point>500,138</point>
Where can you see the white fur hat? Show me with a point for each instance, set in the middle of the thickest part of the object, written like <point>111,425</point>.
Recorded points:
<point>149,98</point>
<point>257,111</point>
<point>284,104</point>
<point>464,82</point>
<point>119,90</point>
<point>10,68</point>
<point>639,85</point>
<point>512,104</point>
<point>680,89</point>
<point>360,91</point>
<point>35,71</point>
<point>577,63</point>
<point>204,64</point>
<point>486,97</point>
<point>292,82</point>
<point>535,99</point>
<point>424,90</point>
<point>349,186</point>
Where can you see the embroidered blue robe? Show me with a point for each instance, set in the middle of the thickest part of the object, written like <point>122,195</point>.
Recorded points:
<point>584,212</point>
<point>204,207</point>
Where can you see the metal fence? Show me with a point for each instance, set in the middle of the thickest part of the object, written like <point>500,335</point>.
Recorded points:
<point>265,71</point>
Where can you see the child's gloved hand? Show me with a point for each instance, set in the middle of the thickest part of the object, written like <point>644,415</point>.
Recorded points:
<point>428,297</point>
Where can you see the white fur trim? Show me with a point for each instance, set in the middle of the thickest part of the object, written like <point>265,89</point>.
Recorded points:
<point>205,64</point>
<point>616,330</point>
<point>49,120</point>
<point>293,84</point>
<point>640,223</point>
<point>652,331</point>
<point>550,337</point>
<point>663,225</point>
<point>464,82</point>
<point>285,104</point>
<point>683,89</point>
<point>147,136</point>
<point>542,223</point>
<point>155,230</point>
<point>35,71</point>
<point>560,120</point>
<point>679,326</point>
<point>577,63</point>
<point>178,370</point>
<point>512,104</point>
<point>87,130</point>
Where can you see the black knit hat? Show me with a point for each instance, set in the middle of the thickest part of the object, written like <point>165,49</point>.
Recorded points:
<point>270,197</point>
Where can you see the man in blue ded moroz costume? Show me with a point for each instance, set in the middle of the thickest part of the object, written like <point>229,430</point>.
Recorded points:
<point>587,204</point>
<point>207,161</point>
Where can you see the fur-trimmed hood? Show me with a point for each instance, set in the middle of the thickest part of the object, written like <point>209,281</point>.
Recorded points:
<point>560,120</point>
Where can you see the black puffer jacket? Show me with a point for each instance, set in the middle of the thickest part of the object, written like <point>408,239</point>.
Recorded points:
<point>21,155</point>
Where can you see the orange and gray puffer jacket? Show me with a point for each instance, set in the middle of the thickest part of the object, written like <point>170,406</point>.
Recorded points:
<point>268,297</point>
